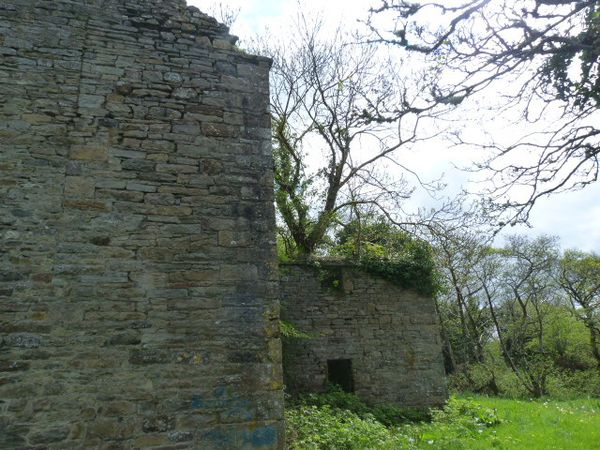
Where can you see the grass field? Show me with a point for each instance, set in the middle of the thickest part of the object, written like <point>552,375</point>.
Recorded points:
<point>467,423</point>
<point>540,424</point>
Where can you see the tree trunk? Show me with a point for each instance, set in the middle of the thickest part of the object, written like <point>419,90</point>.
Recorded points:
<point>449,361</point>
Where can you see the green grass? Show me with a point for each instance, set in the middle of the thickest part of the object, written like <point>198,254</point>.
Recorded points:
<point>466,423</point>
<point>542,424</point>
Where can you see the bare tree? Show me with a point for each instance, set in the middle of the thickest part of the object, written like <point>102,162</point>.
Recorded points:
<point>548,49</point>
<point>224,13</point>
<point>339,111</point>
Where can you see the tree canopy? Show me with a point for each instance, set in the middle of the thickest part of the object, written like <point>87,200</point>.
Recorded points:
<point>548,49</point>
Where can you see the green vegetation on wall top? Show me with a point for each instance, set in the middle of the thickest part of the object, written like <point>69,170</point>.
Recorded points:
<point>381,249</point>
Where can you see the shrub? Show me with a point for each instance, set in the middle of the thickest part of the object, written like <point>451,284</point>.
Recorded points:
<point>466,412</point>
<point>574,384</point>
<point>388,415</point>
<point>336,398</point>
<point>561,383</point>
<point>487,378</point>
<point>383,249</point>
<point>327,428</point>
<point>337,420</point>
<point>391,415</point>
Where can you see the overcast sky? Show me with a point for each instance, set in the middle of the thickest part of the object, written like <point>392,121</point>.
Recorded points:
<point>574,216</point>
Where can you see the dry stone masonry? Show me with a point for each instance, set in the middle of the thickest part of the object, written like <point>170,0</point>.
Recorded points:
<point>365,334</point>
<point>138,286</point>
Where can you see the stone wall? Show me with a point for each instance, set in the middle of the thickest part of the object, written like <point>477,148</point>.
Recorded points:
<point>389,334</point>
<point>138,286</point>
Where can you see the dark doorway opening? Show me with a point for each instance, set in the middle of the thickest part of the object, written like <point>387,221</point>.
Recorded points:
<point>339,371</point>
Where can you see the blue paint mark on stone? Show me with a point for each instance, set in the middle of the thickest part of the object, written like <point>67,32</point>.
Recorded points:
<point>261,437</point>
<point>220,391</point>
<point>239,411</point>
<point>218,438</point>
<point>197,401</point>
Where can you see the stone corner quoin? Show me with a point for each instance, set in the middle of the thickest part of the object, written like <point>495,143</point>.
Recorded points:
<point>138,282</point>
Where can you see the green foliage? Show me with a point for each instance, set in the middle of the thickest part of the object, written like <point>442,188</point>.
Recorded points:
<point>283,248</point>
<point>464,423</point>
<point>466,412</point>
<point>489,378</point>
<point>580,279</point>
<point>582,50</point>
<point>520,309</point>
<point>383,249</point>
<point>415,271</point>
<point>289,330</point>
<point>561,383</point>
<point>582,270</point>
<point>337,420</point>
<point>389,415</point>
<point>566,359</point>
<point>567,340</point>
<point>327,428</point>
<point>292,190</point>
<point>568,384</point>
<point>330,277</point>
<point>336,398</point>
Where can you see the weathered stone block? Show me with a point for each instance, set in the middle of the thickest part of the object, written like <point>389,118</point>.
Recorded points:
<point>80,187</point>
<point>138,165</point>
<point>220,130</point>
<point>128,337</point>
<point>157,112</point>
<point>86,205</point>
<point>133,186</point>
<point>185,93</point>
<point>24,340</point>
<point>148,356</point>
<point>159,423</point>
<point>89,153</point>
<point>91,101</point>
<point>49,436</point>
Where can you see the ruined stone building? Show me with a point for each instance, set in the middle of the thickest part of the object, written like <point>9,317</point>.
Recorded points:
<point>363,333</point>
<point>138,276</point>
<point>138,303</point>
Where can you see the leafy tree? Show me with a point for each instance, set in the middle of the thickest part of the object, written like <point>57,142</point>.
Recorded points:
<point>579,276</point>
<point>548,49</point>
<point>527,290</point>
<point>501,296</point>
<point>509,305</point>
<point>567,339</point>
<point>463,312</point>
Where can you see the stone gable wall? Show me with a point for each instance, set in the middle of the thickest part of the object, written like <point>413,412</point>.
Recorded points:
<point>138,286</point>
<point>391,335</point>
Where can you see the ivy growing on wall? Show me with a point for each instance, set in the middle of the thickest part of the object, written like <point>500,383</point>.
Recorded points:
<point>289,330</point>
<point>376,247</point>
